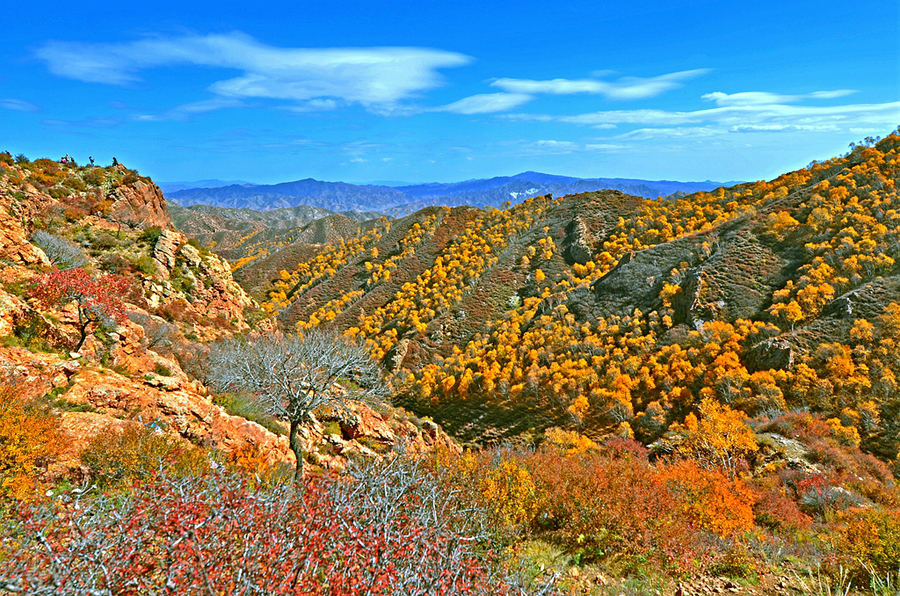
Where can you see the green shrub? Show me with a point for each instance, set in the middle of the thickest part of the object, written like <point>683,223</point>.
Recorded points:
<point>238,405</point>
<point>151,235</point>
<point>136,452</point>
<point>94,177</point>
<point>145,264</point>
<point>75,183</point>
<point>871,542</point>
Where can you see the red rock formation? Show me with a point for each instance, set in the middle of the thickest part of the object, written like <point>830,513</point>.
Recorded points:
<point>140,204</point>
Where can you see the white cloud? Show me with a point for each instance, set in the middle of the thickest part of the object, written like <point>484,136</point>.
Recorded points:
<point>486,103</point>
<point>680,132</point>
<point>753,98</point>
<point>19,105</point>
<point>750,116</point>
<point>552,147</point>
<point>184,112</point>
<point>367,76</point>
<point>314,105</point>
<point>624,88</point>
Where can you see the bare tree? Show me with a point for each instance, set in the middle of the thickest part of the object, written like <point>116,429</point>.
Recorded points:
<point>291,376</point>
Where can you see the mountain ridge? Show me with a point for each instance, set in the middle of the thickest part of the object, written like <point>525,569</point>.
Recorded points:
<point>482,192</point>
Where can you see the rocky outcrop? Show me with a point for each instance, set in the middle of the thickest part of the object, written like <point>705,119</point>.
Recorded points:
<point>164,251</point>
<point>396,356</point>
<point>772,353</point>
<point>167,399</point>
<point>201,284</point>
<point>777,451</point>
<point>12,312</point>
<point>696,304</point>
<point>15,230</point>
<point>579,242</point>
<point>140,204</point>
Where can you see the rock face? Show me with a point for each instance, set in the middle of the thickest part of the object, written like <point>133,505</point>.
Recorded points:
<point>140,204</point>
<point>168,399</point>
<point>213,294</point>
<point>397,355</point>
<point>164,252</point>
<point>694,305</point>
<point>579,242</point>
<point>771,353</point>
<point>15,229</point>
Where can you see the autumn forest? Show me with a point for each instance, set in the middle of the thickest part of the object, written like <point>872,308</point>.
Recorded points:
<point>588,394</point>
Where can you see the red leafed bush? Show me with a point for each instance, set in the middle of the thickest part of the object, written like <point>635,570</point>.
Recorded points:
<point>389,528</point>
<point>776,510</point>
<point>602,506</point>
<point>98,300</point>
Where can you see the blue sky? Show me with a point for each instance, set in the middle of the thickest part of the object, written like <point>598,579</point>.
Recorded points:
<point>427,91</point>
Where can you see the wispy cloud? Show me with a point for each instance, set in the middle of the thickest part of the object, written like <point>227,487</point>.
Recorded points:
<point>184,112</point>
<point>487,103</point>
<point>742,112</point>
<point>19,105</point>
<point>750,98</point>
<point>370,77</point>
<point>547,147</point>
<point>623,88</point>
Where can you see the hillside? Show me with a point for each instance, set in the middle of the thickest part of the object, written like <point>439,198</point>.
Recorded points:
<point>339,196</point>
<point>604,312</point>
<point>695,395</point>
<point>228,230</point>
<point>152,300</point>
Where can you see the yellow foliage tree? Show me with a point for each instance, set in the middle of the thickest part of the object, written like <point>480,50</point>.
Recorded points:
<point>29,439</point>
<point>719,439</point>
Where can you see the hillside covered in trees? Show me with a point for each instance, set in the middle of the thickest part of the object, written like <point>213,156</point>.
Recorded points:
<point>609,313</point>
<point>684,396</point>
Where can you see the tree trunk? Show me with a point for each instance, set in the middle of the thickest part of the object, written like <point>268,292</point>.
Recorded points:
<point>83,323</point>
<point>294,440</point>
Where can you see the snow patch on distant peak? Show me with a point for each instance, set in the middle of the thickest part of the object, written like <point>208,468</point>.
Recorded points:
<point>528,193</point>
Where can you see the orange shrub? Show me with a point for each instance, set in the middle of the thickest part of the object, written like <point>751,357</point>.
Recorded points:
<point>710,499</point>
<point>29,440</point>
<point>136,452</point>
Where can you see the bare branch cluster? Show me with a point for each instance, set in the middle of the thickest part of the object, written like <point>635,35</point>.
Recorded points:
<point>291,376</point>
<point>391,528</point>
<point>63,253</point>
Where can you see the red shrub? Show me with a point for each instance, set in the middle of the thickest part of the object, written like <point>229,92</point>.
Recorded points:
<point>600,506</point>
<point>98,300</point>
<point>775,510</point>
<point>389,529</point>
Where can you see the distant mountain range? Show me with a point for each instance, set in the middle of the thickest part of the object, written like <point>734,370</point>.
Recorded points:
<point>341,196</point>
<point>170,187</point>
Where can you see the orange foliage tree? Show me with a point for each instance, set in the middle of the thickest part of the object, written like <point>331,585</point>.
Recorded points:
<point>719,439</point>
<point>29,439</point>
